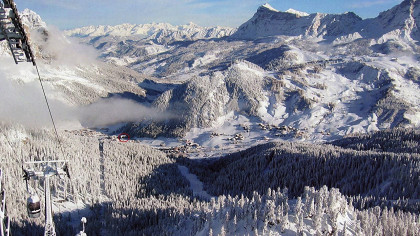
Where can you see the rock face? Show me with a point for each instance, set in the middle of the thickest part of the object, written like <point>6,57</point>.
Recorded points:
<point>400,21</point>
<point>269,22</point>
<point>31,19</point>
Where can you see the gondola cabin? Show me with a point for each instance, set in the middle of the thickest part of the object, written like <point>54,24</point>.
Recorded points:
<point>34,206</point>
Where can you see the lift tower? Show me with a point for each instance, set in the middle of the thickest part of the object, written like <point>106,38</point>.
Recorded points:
<point>13,31</point>
<point>4,219</point>
<point>44,170</point>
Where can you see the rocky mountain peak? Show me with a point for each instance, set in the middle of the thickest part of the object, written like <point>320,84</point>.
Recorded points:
<point>402,20</point>
<point>32,19</point>
<point>267,22</point>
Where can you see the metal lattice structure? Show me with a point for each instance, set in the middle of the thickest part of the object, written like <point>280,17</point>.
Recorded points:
<point>5,221</point>
<point>13,31</point>
<point>45,170</point>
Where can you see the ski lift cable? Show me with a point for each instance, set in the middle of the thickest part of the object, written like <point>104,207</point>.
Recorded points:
<point>22,40</point>
<point>20,37</point>
<point>49,109</point>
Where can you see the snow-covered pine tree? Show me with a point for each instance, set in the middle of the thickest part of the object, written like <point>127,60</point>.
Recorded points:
<point>270,215</point>
<point>222,231</point>
<point>299,216</point>
<point>317,218</point>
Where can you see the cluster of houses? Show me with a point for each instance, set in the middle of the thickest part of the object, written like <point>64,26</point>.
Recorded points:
<point>85,132</point>
<point>236,137</point>
<point>94,133</point>
<point>189,146</point>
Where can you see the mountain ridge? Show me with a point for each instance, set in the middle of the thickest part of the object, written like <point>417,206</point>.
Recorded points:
<point>400,21</point>
<point>159,32</point>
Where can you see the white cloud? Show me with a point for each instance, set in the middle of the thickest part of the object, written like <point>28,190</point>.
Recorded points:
<point>25,104</point>
<point>116,110</point>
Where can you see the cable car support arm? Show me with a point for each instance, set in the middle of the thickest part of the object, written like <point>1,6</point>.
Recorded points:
<point>12,30</point>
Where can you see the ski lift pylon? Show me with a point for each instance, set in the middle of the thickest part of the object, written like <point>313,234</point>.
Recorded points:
<point>12,30</point>
<point>4,219</point>
<point>43,170</point>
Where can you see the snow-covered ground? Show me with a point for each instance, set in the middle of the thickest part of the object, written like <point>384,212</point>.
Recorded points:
<point>73,211</point>
<point>195,184</point>
<point>343,102</point>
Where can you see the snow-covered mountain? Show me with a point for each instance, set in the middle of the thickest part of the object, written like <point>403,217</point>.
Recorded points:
<point>125,44</point>
<point>158,32</point>
<point>267,21</point>
<point>135,45</point>
<point>31,19</point>
<point>341,98</point>
<point>352,84</point>
<point>349,83</point>
<point>400,21</point>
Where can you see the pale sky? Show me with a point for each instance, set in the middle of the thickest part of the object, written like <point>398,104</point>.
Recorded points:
<point>67,14</point>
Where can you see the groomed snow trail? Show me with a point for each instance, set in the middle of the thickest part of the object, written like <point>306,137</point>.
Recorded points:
<point>195,184</point>
<point>102,168</point>
<point>103,190</point>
